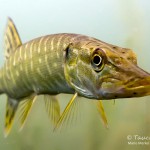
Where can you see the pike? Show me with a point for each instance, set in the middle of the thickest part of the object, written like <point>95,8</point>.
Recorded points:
<point>66,63</point>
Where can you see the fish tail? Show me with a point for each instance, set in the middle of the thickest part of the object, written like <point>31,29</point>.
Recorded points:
<point>11,41</point>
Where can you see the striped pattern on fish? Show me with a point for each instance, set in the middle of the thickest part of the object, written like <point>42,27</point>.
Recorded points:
<point>66,63</point>
<point>38,64</point>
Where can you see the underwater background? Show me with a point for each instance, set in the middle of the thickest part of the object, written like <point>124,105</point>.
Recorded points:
<point>125,23</point>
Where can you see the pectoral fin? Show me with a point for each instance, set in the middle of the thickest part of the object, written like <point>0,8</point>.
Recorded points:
<point>102,112</point>
<point>52,108</point>
<point>11,108</point>
<point>24,109</point>
<point>68,113</point>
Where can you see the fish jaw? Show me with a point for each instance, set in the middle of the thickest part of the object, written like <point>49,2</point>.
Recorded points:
<point>124,91</point>
<point>135,83</point>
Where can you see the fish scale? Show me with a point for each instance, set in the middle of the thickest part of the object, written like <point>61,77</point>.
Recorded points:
<point>28,75</point>
<point>66,63</point>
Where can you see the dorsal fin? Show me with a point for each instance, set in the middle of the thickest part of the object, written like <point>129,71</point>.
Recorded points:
<point>11,38</point>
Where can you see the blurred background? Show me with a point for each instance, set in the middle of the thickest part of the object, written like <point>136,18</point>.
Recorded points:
<point>124,23</point>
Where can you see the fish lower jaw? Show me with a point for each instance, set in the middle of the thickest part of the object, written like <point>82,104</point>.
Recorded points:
<point>139,91</point>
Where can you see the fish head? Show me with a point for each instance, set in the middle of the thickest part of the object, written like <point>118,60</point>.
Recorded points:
<point>102,71</point>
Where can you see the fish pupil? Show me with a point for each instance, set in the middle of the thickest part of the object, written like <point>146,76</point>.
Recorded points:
<point>97,60</point>
<point>67,52</point>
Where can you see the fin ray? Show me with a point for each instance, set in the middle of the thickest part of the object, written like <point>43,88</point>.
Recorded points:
<point>52,108</point>
<point>11,38</point>
<point>66,115</point>
<point>102,112</point>
<point>11,108</point>
<point>25,108</point>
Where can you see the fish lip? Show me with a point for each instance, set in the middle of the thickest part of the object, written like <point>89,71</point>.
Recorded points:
<point>127,89</point>
<point>137,82</point>
<point>128,84</point>
<point>124,92</point>
<point>140,87</point>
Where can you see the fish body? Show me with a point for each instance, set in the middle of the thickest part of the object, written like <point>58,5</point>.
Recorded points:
<point>66,63</point>
<point>39,65</point>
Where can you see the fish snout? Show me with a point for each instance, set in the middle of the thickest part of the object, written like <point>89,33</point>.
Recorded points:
<point>133,83</point>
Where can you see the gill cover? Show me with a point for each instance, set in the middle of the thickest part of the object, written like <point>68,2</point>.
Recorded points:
<point>83,62</point>
<point>75,68</point>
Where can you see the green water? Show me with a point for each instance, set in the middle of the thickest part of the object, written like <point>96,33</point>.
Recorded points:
<point>121,22</point>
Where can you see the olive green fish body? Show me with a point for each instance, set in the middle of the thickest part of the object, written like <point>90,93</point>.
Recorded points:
<point>66,63</point>
<point>36,66</point>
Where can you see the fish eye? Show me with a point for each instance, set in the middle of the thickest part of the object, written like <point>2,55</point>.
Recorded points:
<point>98,60</point>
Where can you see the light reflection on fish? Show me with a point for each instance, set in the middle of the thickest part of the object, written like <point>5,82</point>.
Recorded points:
<point>66,63</point>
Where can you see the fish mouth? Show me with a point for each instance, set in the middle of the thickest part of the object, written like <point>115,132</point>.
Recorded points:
<point>139,87</point>
<point>138,82</point>
<point>115,88</point>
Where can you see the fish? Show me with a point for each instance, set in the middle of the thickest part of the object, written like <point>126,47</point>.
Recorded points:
<point>66,63</point>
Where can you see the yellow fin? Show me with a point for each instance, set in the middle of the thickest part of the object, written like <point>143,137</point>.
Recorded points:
<point>102,112</point>
<point>24,109</point>
<point>11,38</point>
<point>67,113</point>
<point>11,108</point>
<point>52,108</point>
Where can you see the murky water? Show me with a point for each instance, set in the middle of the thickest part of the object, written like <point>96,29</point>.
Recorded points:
<point>125,23</point>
